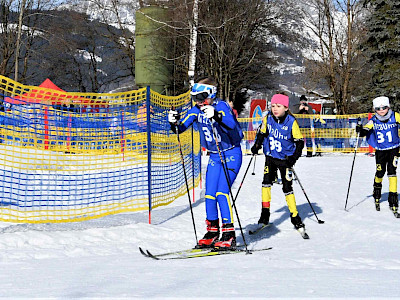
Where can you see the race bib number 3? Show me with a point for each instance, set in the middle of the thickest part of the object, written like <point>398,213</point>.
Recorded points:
<point>209,136</point>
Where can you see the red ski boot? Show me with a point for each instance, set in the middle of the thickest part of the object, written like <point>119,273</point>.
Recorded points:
<point>228,238</point>
<point>212,235</point>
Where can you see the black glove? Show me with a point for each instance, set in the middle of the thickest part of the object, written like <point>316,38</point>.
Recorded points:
<point>255,148</point>
<point>359,128</point>
<point>258,142</point>
<point>290,161</point>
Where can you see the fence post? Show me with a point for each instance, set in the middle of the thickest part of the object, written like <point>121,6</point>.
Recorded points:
<point>148,129</point>
<point>46,127</point>
<point>122,136</point>
<point>69,131</point>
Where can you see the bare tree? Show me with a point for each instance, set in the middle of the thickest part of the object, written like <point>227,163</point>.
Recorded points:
<point>338,28</point>
<point>18,41</point>
<point>110,13</point>
<point>34,11</point>
<point>193,42</point>
<point>233,43</point>
<point>8,37</point>
<point>18,22</point>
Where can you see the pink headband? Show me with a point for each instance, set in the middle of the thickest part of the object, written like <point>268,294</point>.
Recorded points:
<point>280,99</point>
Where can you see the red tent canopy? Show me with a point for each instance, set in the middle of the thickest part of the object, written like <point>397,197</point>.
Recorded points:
<point>50,94</point>
<point>48,84</point>
<point>38,95</point>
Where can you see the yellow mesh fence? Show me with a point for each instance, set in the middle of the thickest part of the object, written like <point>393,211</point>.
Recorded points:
<point>76,156</point>
<point>322,133</point>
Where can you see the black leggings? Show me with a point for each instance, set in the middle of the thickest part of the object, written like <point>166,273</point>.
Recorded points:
<point>270,171</point>
<point>386,160</point>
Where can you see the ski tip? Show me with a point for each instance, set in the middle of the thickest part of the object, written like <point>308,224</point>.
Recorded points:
<point>141,251</point>
<point>149,254</point>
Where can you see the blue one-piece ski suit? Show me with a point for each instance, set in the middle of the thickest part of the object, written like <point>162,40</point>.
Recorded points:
<point>229,135</point>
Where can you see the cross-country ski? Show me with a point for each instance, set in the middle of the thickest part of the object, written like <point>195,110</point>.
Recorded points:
<point>198,253</point>
<point>260,228</point>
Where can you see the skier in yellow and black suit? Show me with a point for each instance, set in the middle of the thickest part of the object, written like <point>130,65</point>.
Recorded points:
<point>282,144</point>
<point>382,132</point>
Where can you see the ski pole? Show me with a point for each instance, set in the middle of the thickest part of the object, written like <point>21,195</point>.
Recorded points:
<point>298,180</point>
<point>254,167</point>
<point>352,165</point>
<point>186,181</point>
<point>229,185</point>
<point>244,176</point>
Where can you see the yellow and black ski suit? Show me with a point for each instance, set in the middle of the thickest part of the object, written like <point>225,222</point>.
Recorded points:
<point>282,144</point>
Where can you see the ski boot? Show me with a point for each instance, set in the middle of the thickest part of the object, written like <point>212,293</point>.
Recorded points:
<point>228,238</point>
<point>309,154</point>
<point>318,151</point>
<point>296,221</point>
<point>212,235</point>
<point>264,218</point>
<point>377,195</point>
<point>393,203</point>
<point>299,225</point>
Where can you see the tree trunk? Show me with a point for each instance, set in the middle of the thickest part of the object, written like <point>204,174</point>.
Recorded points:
<point>18,42</point>
<point>348,57</point>
<point>193,42</point>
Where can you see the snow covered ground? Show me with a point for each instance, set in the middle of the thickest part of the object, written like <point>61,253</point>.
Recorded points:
<point>355,253</point>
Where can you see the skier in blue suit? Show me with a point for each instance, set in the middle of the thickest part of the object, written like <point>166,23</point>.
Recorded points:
<point>220,133</point>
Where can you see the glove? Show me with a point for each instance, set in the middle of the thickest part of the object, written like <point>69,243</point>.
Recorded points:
<point>255,148</point>
<point>257,143</point>
<point>210,112</point>
<point>359,128</point>
<point>173,116</point>
<point>290,161</point>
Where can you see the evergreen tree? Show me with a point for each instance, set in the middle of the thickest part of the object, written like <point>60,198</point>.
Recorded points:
<point>382,47</point>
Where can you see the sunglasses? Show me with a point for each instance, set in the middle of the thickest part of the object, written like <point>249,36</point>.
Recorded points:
<point>381,108</point>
